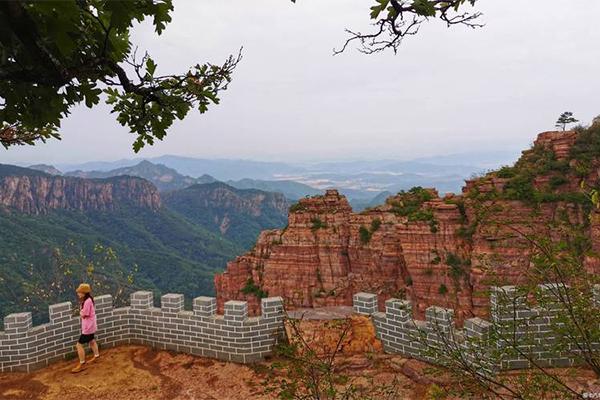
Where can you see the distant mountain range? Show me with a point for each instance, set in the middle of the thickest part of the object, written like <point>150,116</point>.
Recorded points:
<point>235,169</point>
<point>360,181</point>
<point>49,169</point>
<point>178,239</point>
<point>163,177</point>
<point>290,189</point>
<point>482,159</point>
<point>223,170</point>
<point>168,179</point>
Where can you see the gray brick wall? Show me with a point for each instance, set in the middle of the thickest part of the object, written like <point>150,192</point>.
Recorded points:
<point>231,337</point>
<point>365,303</point>
<point>515,329</point>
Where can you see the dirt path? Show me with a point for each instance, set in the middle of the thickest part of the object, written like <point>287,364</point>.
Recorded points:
<point>141,373</point>
<point>135,372</point>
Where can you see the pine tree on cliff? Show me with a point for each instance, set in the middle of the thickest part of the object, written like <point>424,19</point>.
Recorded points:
<point>565,119</point>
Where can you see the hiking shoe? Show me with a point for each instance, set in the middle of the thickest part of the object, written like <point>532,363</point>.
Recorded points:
<point>80,367</point>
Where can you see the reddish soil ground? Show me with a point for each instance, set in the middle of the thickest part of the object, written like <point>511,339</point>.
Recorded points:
<point>136,372</point>
<point>142,373</point>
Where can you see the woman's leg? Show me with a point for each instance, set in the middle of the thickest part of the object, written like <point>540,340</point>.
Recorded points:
<point>94,347</point>
<point>80,352</point>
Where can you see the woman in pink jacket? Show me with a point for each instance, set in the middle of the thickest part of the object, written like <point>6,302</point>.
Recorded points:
<point>88,326</point>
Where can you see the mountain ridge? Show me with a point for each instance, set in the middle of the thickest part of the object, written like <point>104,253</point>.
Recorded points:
<point>163,177</point>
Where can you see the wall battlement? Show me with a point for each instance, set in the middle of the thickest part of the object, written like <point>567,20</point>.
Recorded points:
<point>230,337</point>
<point>516,333</point>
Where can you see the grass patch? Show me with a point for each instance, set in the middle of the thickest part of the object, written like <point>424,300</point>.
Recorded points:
<point>317,224</point>
<point>442,289</point>
<point>253,288</point>
<point>364,234</point>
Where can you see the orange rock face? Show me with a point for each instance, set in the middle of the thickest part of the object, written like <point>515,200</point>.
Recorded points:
<point>356,335</point>
<point>444,253</point>
<point>559,142</point>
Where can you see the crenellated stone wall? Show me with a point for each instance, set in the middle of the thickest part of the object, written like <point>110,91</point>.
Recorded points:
<point>231,337</point>
<point>516,335</point>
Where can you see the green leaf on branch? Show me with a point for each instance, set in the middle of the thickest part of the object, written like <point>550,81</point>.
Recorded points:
<point>379,8</point>
<point>150,66</point>
<point>55,54</point>
<point>425,8</point>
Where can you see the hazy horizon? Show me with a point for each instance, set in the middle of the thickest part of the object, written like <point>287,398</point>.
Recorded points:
<point>448,91</point>
<point>504,155</point>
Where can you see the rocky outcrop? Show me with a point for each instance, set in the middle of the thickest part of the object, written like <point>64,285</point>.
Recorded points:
<point>220,196</point>
<point>558,142</point>
<point>238,214</point>
<point>431,250</point>
<point>38,193</point>
<point>327,253</point>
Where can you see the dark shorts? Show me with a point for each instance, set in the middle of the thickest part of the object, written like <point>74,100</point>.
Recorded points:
<point>83,339</point>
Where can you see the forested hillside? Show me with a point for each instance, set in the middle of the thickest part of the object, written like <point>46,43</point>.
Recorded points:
<point>169,253</point>
<point>237,214</point>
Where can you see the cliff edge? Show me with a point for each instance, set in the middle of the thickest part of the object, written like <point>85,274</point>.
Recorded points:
<point>430,249</point>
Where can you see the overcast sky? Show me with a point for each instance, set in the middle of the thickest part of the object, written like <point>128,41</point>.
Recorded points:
<point>447,91</point>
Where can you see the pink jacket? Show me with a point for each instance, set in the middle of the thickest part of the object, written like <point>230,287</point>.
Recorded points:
<point>88,318</point>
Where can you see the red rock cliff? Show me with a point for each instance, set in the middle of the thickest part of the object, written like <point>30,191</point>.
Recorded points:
<point>435,251</point>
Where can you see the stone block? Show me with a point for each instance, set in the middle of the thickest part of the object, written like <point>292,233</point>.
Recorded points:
<point>440,319</point>
<point>142,300</point>
<point>398,310</point>
<point>236,311</point>
<point>477,327</point>
<point>60,312</point>
<point>18,323</point>
<point>172,303</point>
<point>365,303</point>
<point>205,306</point>
<point>272,307</point>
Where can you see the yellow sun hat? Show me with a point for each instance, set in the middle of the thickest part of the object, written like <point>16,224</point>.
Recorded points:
<point>84,288</point>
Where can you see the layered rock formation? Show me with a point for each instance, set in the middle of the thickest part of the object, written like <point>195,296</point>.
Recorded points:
<point>327,253</point>
<point>37,193</point>
<point>431,250</point>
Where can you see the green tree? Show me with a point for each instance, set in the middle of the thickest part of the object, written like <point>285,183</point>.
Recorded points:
<point>71,265</point>
<point>57,54</point>
<point>565,119</point>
